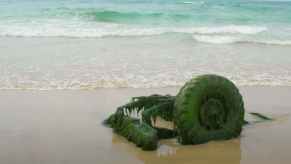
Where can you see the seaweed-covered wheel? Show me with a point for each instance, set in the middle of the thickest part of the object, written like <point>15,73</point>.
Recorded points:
<point>208,107</point>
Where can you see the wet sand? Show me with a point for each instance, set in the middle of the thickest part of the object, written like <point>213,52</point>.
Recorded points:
<point>65,127</point>
<point>136,62</point>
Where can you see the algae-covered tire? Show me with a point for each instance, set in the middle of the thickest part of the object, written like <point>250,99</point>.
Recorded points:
<point>208,107</point>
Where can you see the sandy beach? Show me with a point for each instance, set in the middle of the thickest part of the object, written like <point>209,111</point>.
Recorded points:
<point>65,66</point>
<point>59,127</point>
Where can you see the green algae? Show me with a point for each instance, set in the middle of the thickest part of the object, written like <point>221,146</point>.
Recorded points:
<point>263,117</point>
<point>208,107</point>
<point>138,132</point>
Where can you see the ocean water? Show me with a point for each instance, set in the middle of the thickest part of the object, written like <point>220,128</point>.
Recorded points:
<point>210,21</point>
<point>164,42</point>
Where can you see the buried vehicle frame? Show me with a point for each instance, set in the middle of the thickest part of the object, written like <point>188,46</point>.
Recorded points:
<point>208,107</point>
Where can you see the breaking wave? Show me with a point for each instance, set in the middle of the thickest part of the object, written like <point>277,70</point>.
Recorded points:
<point>79,29</point>
<point>228,39</point>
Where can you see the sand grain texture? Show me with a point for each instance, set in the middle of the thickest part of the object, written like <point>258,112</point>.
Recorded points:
<point>58,127</point>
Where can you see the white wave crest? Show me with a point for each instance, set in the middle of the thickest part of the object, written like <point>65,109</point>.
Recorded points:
<point>231,29</point>
<point>274,42</point>
<point>59,28</point>
<point>229,39</point>
<point>216,39</point>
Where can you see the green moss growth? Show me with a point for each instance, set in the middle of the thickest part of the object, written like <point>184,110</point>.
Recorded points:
<point>208,107</point>
<point>141,134</point>
<point>261,116</point>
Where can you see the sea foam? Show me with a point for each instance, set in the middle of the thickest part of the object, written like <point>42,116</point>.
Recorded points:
<point>226,34</point>
<point>216,39</point>
<point>79,29</point>
<point>229,39</point>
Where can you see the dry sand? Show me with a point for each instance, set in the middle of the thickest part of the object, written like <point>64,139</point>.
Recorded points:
<point>65,127</point>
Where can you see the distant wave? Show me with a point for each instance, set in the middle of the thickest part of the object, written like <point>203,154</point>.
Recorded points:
<point>188,2</point>
<point>216,39</point>
<point>228,29</point>
<point>128,17</point>
<point>226,39</point>
<point>226,34</point>
<point>273,42</point>
<point>116,16</point>
<point>77,28</point>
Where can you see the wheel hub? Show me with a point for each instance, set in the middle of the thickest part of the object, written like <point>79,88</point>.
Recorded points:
<point>212,114</point>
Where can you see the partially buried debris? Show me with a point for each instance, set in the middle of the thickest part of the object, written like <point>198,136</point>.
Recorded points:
<point>208,107</point>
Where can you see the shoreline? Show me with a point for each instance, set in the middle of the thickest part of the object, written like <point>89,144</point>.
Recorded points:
<point>144,62</point>
<point>66,127</point>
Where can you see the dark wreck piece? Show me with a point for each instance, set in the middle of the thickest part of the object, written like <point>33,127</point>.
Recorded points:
<point>208,107</point>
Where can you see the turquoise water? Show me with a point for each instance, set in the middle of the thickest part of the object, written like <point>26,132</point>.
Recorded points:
<point>210,21</point>
<point>89,44</point>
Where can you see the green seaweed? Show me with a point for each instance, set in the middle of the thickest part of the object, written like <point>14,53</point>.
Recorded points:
<point>164,133</point>
<point>208,107</point>
<point>263,117</point>
<point>141,134</point>
<point>141,131</point>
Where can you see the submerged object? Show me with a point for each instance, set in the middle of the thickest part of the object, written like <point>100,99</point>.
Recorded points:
<point>208,107</point>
